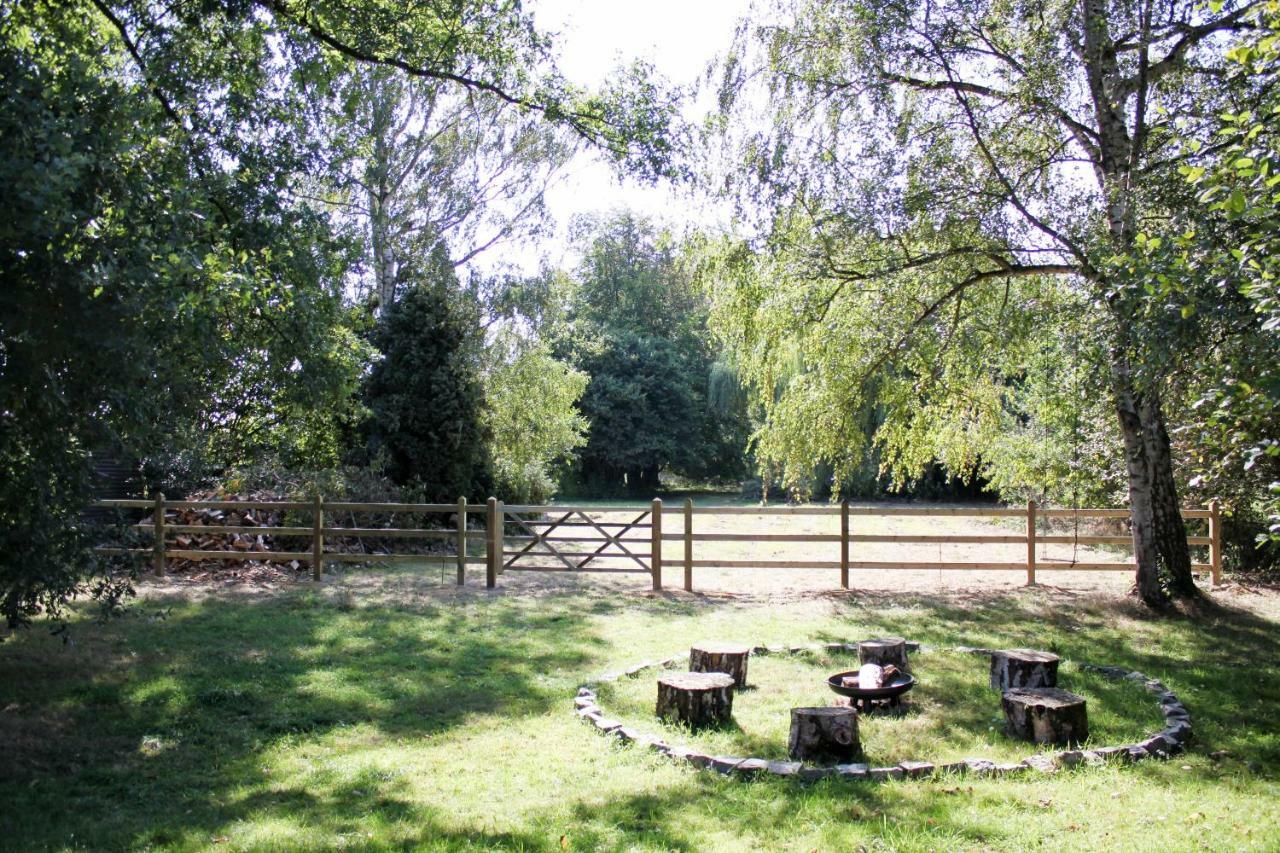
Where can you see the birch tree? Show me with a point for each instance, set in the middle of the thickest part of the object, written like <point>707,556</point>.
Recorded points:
<point>928,174</point>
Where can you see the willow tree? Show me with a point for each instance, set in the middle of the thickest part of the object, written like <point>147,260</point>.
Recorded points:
<point>929,177</point>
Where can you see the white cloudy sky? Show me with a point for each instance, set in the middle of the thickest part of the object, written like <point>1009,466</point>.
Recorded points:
<point>595,36</point>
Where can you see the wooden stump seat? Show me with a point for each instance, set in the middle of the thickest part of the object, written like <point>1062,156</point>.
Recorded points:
<point>1045,715</point>
<point>1014,668</point>
<point>824,735</point>
<point>729,658</point>
<point>884,651</point>
<point>696,698</point>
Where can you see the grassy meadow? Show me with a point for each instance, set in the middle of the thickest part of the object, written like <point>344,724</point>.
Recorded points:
<point>412,715</point>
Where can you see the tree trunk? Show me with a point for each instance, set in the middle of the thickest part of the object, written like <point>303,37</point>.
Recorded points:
<point>729,658</point>
<point>696,698</point>
<point>1045,715</point>
<point>1159,534</point>
<point>1011,668</point>
<point>826,735</point>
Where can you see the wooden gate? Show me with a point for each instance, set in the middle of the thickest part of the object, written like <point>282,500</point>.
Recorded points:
<point>570,539</point>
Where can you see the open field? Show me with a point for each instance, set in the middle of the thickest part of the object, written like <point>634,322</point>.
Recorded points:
<point>384,709</point>
<point>1054,560</point>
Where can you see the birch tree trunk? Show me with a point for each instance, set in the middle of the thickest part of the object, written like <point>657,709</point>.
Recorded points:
<point>1159,535</point>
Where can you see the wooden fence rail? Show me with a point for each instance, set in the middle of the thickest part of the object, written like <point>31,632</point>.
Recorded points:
<point>519,537</point>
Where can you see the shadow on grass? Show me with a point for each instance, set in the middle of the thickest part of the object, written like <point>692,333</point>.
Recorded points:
<point>164,731</point>
<point>1224,663</point>
<point>196,694</point>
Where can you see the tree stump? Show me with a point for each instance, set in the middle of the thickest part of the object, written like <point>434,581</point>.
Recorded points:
<point>884,651</point>
<point>1014,668</point>
<point>824,735</point>
<point>696,698</point>
<point>1045,715</point>
<point>729,658</point>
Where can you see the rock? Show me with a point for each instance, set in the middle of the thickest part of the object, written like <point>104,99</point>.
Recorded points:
<point>725,763</point>
<point>1070,758</point>
<point>752,766</point>
<point>853,771</point>
<point>626,733</point>
<point>1042,762</point>
<point>979,766</point>
<point>956,767</point>
<point>917,769</point>
<point>592,713</point>
<point>586,691</point>
<point>880,774</point>
<point>814,774</point>
<point>605,724</point>
<point>783,768</point>
<point>1008,769</point>
<point>584,701</point>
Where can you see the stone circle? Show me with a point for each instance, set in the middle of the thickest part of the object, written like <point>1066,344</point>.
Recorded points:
<point>1169,741</point>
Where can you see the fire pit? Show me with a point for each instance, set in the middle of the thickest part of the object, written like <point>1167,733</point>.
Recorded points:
<point>867,699</point>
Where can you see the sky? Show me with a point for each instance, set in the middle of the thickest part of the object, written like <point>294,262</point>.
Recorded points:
<point>596,36</point>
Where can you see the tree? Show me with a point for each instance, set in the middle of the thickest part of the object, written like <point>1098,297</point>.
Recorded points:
<point>166,268</point>
<point>1222,254</point>
<point>531,414</point>
<point>427,165</point>
<point>425,395</point>
<point>924,159</point>
<point>637,326</point>
<point>135,276</point>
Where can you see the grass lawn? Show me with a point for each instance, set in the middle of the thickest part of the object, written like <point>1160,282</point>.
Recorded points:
<point>412,715</point>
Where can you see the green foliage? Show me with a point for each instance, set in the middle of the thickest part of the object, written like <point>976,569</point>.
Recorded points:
<point>954,209</point>
<point>637,326</point>
<point>530,414</point>
<point>1225,254</point>
<point>425,396</point>
<point>148,287</point>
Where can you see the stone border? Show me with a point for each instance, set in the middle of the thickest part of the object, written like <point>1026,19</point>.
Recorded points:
<point>1168,741</point>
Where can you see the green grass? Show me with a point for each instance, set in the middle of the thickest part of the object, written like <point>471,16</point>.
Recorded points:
<point>951,714</point>
<point>300,719</point>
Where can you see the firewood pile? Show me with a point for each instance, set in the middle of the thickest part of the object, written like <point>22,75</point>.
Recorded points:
<point>258,536</point>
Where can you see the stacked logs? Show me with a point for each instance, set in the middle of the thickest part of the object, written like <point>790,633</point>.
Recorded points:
<point>259,537</point>
<point>256,538</point>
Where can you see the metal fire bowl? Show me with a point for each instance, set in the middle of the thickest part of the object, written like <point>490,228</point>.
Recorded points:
<point>901,684</point>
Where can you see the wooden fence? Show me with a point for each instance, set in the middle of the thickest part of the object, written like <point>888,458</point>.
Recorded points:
<point>530,546</point>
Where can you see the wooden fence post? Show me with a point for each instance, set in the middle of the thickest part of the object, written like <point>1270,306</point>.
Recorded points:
<point>1215,541</point>
<point>655,546</point>
<point>1031,543</point>
<point>317,537</point>
<point>844,544</point>
<point>688,544</point>
<point>157,559</point>
<point>493,544</point>
<point>462,541</point>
